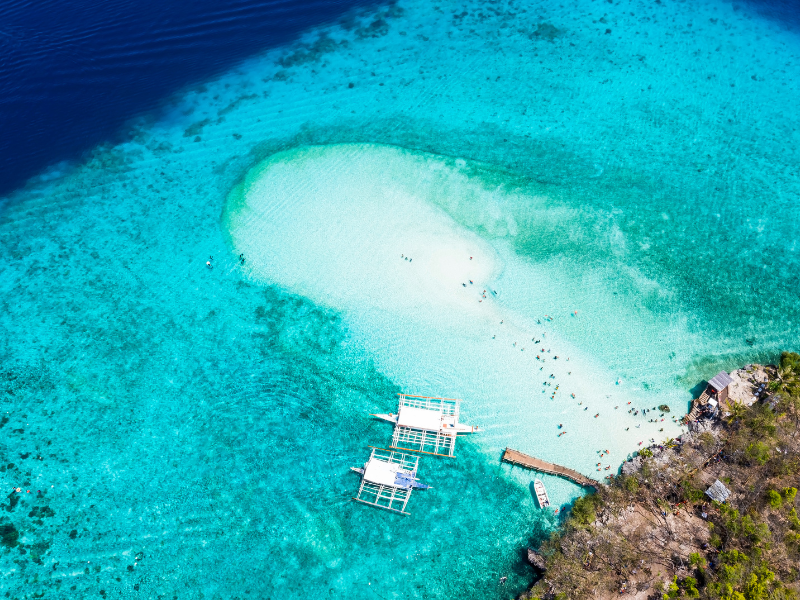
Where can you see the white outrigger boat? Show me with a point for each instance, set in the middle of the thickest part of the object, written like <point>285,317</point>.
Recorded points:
<point>541,493</point>
<point>387,480</point>
<point>425,424</point>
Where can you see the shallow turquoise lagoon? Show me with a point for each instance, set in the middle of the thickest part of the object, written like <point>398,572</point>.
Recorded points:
<point>623,175</point>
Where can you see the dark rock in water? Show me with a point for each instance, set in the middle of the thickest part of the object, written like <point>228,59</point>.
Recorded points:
<point>38,550</point>
<point>378,28</point>
<point>9,535</point>
<point>196,128</point>
<point>546,31</point>
<point>537,560</point>
<point>13,499</point>
<point>41,512</point>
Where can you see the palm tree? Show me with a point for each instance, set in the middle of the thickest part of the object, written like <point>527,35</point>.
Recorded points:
<point>786,380</point>
<point>736,410</point>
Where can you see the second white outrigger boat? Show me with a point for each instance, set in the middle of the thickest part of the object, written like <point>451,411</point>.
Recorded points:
<point>426,424</point>
<point>387,480</point>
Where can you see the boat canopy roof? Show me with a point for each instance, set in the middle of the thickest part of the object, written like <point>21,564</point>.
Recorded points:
<point>420,418</point>
<point>379,471</point>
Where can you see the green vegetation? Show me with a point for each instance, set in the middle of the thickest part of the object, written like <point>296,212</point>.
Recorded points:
<point>774,499</point>
<point>633,534</point>
<point>787,379</point>
<point>583,510</point>
<point>697,560</point>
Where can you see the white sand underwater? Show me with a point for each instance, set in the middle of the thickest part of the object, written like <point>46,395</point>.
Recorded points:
<point>442,310</point>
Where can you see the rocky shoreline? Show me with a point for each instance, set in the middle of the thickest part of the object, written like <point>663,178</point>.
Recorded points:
<point>654,531</point>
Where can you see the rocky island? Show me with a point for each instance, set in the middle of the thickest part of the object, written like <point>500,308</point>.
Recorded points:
<point>711,514</point>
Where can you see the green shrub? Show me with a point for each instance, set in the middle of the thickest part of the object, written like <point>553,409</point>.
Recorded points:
<point>707,440</point>
<point>732,557</point>
<point>631,484</point>
<point>761,420</point>
<point>697,560</point>
<point>755,532</point>
<point>646,453</point>
<point>774,499</point>
<point>692,492</point>
<point>793,520</point>
<point>789,494</point>
<point>689,585</point>
<point>790,360</point>
<point>757,584</point>
<point>583,510</point>
<point>758,453</point>
<point>672,590</point>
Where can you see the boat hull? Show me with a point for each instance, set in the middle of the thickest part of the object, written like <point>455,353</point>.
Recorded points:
<point>541,494</point>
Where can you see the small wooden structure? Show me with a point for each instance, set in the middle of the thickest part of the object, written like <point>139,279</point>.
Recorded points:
<point>426,424</point>
<point>718,386</point>
<point>387,480</point>
<point>516,457</point>
<point>716,391</point>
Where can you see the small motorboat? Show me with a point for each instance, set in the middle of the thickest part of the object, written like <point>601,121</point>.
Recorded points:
<point>541,494</point>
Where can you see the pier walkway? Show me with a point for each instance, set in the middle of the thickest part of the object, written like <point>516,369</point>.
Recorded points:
<point>529,462</point>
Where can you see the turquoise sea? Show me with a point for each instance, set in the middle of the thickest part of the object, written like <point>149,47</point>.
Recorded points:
<point>611,183</point>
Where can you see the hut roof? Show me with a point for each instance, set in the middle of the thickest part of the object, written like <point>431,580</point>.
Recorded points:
<point>720,381</point>
<point>718,492</point>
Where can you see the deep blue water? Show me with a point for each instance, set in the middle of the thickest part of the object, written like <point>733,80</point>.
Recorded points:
<point>785,12</point>
<point>73,72</point>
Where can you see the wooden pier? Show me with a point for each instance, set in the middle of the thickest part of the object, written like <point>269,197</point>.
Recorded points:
<point>529,462</point>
